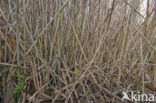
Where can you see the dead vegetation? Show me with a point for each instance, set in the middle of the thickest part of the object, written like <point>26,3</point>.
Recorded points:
<point>76,51</point>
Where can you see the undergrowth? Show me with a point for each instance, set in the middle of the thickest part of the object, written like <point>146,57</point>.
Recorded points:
<point>75,51</point>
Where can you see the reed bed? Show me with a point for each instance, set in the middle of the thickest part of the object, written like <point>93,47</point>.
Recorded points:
<point>76,51</point>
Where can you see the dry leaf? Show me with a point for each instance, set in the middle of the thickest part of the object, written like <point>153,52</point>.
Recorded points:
<point>9,96</point>
<point>149,86</point>
<point>10,40</point>
<point>0,54</point>
<point>46,77</point>
<point>153,61</point>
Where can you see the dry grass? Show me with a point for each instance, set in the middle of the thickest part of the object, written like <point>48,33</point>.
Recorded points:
<point>75,51</point>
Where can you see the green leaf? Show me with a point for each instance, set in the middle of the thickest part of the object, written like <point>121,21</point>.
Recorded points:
<point>19,87</point>
<point>76,72</point>
<point>89,94</point>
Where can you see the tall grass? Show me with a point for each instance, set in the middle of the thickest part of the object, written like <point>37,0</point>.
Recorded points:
<point>75,50</point>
